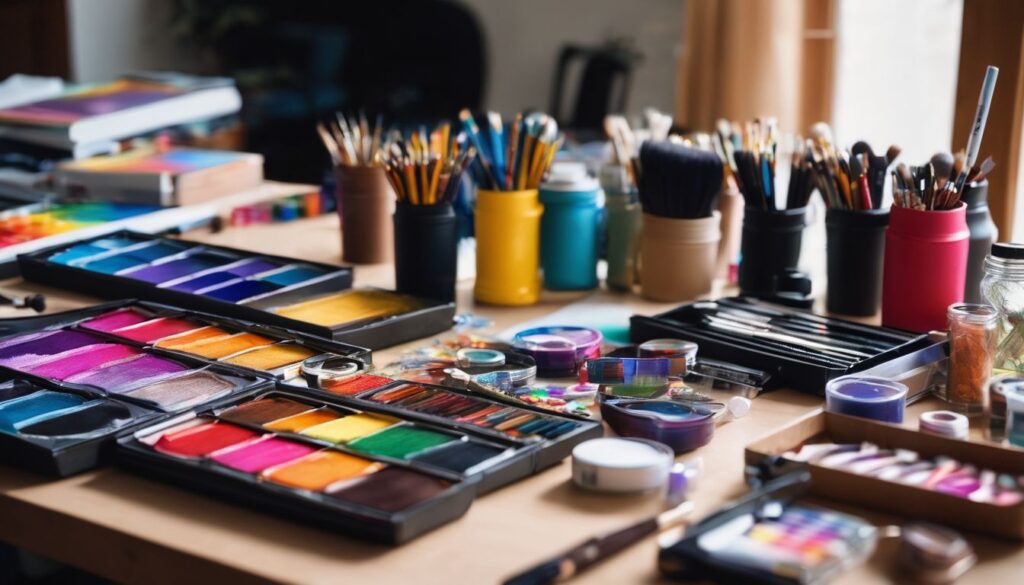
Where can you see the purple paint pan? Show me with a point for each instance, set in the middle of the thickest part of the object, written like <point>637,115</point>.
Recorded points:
<point>683,427</point>
<point>84,358</point>
<point>124,374</point>
<point>27,349</point>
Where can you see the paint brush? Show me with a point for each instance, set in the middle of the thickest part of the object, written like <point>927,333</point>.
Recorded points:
<point>678,181</point>
<point>592,551</point>
<point>988,88</point>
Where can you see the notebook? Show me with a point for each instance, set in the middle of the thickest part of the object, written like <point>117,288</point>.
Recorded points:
<point>178,176</point>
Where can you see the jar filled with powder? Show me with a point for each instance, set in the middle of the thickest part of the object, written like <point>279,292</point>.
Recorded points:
<point>972,347</point>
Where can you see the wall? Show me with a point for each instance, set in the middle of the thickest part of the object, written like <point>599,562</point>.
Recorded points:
<point>524,38</point>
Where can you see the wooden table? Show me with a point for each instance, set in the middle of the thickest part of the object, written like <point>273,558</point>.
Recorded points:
<point>132,529</point>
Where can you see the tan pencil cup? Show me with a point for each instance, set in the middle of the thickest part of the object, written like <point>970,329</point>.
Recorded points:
<point>365,203</point>
<point>678,256</point>
<point>730,204</point>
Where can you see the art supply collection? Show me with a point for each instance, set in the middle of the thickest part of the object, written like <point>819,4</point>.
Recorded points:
<point>251,377</point>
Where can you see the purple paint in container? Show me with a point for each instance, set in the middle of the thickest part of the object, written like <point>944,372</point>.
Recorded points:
<point>28,349</point>
<point>84,358</point>
<point>252,266</point>
<point>683,427</point>
<point>125,374</point>
<point>867,397</point>
<point>165,271</point>
<point>205,281</point>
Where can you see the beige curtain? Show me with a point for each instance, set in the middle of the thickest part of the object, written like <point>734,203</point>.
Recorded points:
<point>751,58</point>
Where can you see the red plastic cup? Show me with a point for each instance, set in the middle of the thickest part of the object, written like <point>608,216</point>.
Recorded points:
<point>925,267</point>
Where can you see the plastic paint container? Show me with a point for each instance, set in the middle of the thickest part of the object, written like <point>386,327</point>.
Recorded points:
<point>874,398</point>
<point>613,464</point>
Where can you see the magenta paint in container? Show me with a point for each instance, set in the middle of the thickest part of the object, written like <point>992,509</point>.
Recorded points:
<point>867,397</point>
<point>559,350</point>
<point>683,427</point>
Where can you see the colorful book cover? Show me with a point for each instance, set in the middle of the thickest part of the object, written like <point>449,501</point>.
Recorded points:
<point>95,101</point>
<point>176,161</point>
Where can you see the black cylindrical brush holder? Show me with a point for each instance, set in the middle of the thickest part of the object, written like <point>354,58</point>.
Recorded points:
<point>855,247</point>
<point>426,251</point>
<point>770,246</point>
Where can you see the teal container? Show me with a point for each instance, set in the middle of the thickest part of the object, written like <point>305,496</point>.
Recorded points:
<point>569,232</point>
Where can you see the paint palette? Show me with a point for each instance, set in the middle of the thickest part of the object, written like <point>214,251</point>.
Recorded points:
<point>363,471</point>
<point>160,334</point>
<point>297,295</point>
<point>61,431</point>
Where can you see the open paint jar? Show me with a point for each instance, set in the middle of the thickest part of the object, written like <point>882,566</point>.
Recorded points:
<point>559,351</point>
<point>683,354</point>
<point>324,370</point>
<point>681,426</point>
<point>867,397</point>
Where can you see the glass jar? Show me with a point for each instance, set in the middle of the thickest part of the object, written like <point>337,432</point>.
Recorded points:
<point>972,348</point>
<point>1003,288</point>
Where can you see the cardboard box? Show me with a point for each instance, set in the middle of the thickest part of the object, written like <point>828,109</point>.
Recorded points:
<point>908,501</point>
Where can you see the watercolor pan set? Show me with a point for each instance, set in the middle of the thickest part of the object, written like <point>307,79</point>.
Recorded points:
<point>62,431</point>
<point>294,294</point>
<point>263,349</point>
<point>358,470</point>
<point>800,350</point>
<point>554,435</point>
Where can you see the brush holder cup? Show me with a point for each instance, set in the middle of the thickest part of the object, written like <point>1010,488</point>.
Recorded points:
<point>925,267</point>
<point>623,217</point>
<point>983,232</point>
<point>770,247</point>
<point>855,246</point>
<point>677,257</point>
<point>568,235</point>
<point>426,251</point>
<point>365,203</point>
<point>730,205</point>
<point>508,247</point>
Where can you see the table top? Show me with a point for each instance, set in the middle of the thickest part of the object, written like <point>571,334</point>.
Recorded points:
<point>131,529</point>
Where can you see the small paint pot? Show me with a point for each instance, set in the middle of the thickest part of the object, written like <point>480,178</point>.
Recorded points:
<point>559,350</point>
<point>630,377</point>
<point>324,369</point>
<point>944,423</point>
<point>682,354</point>
<point>867,397</point>
<point>612,464</point>
<point>681,426</point>
<point>468,357</point>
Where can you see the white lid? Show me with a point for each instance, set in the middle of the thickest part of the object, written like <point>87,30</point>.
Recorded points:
<point>621,465</point>
<point>569,176</point>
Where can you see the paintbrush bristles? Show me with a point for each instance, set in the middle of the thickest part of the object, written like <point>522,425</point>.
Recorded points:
<point>677,181</point>
<point>425,170</point>
<point>517,162</point>
<point>351,141</point>
<point>932,186</point>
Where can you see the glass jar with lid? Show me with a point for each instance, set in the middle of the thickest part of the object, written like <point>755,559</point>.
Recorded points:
<point>1003,288</point>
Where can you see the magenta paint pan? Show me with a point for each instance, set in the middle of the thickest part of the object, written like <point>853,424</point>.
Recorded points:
<point>262,454</point>
<point>36,347</point>
<point>154,329</point>
<point>115,320</point>
<point>114,377</point>
<point>84,358</point>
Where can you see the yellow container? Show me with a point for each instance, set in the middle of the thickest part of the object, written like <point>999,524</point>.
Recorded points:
<point>508,247</point>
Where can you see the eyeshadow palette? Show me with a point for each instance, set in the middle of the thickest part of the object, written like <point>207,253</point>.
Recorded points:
<point>367,473</point>
<point>285,292</point>
<point>798,349</point>
<point>135,340</point>
<point>61,431</point>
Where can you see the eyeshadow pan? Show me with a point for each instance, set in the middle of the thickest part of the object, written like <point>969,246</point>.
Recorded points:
<point>356,384</point>
<point>176,341</point>
<point>240,290</point>
<point>459,456</point>
<point>112,264</point>
<point>92,418</point>
<point>10,391</point>
<point>256,456</point>
<point>76,252</point>
<point>348,428</point>
<point>154,329</point>
<point>203,439</point>
<point>14,353</point>
<point>172,269</point>
<point>349,306</point>
<point>391,489</point>
<point>252,266</point>
<point>205,281</point>
<point>157,250</point>
<point>400,441</point>
<point>264,410</point>
<point>79,360</point>
<point>299,422</point>
<point>19,411</point>
<point>294,275</point>
<point>126,373</point>
<point>321,469</point>
<point>190,388</point>
<point>272,357</point>
<point>115,320</point>
<point>218,347</point>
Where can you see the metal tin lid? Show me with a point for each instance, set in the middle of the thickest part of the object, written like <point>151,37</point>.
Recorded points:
<point>1009,250</point>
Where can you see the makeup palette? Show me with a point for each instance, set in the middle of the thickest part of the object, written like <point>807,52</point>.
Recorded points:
<point>115,344</point>
<point>798,349</point>
<point>60,431</point>
<point>293,294</point>
<point>368,469</point>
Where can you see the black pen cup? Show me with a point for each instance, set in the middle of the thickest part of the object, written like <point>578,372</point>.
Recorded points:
<point>426,251</point>
<point>855,248</point>
<point>770,246</point>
